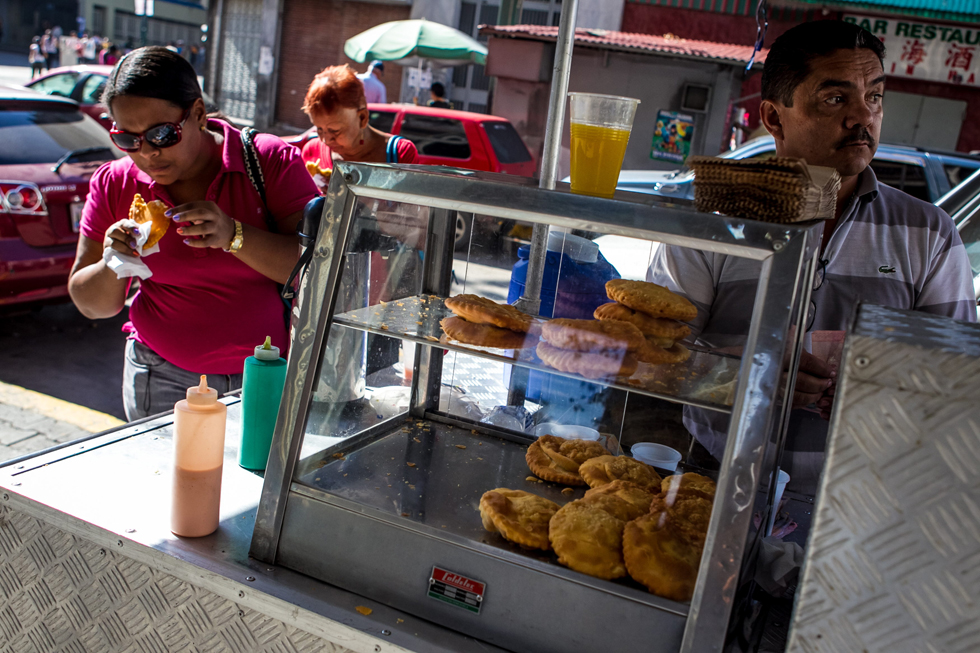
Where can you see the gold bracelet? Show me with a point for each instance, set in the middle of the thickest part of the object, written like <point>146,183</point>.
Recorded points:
<point>236,242</point>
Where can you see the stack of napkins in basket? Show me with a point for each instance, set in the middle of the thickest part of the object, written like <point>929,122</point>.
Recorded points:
<point>779,189</point>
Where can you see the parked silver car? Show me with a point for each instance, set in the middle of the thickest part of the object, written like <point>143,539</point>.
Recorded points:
<point>925,174</point>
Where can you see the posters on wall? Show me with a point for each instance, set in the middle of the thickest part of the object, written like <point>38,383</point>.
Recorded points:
<point>928,51</point>
<point>672,136</point>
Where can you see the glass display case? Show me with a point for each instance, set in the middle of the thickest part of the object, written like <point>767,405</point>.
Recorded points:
<point>389,432</point>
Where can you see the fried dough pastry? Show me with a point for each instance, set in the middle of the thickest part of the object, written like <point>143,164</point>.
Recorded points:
<point>689,515</point>
<point>480,310</point>
<point>519,516</point>
<point>651,299</point>
<point>677,353</point>
<point>141,211</point>
<point>588,539</point>
<point>689,484</point>
<point>606,469</point>
<point>486,335</point>
<point>314,169</point>
<point>591,366</point>
<point>653,327</point>
<point>661,557</point>
<point>593,336</point>
<point>614,506</point>
<point>557,460</point>
<point>636,498</point>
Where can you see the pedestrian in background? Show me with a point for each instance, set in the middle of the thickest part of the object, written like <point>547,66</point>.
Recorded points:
<point>438,94</point>
<point>88,49</point>
<point>49,47</point>
<point>374,88</point>
<point>36,58</point>
<point>69,49</point>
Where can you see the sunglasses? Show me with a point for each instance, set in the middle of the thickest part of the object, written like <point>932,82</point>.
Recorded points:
<point>164,135</point>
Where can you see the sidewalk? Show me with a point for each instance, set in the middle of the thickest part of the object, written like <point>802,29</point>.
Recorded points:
<point>31,421</point>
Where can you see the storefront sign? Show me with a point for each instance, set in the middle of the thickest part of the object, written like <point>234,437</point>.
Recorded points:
<point>672,136</point>
<point>926,51</point>
<point>457,590</point>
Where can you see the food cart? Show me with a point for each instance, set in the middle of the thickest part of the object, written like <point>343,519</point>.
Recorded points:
<point>364,531</point>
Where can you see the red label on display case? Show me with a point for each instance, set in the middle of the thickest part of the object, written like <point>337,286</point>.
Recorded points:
<point>456,589</point>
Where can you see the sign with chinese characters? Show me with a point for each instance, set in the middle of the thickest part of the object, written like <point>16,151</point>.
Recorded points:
<point>672,136</point>
<point>928,51</point>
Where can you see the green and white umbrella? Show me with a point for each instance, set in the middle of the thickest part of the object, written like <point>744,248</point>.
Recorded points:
<point>408,42</point>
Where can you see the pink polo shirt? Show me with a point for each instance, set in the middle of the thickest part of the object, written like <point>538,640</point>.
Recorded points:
<point>203,309</point>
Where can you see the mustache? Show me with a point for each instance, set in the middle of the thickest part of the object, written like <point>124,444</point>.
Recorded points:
<point>863,136</point>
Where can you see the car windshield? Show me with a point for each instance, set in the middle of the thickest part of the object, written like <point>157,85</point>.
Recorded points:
<point>33,134</point>
<point>506,142</point>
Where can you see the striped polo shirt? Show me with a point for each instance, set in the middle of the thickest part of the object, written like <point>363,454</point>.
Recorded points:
<point>888,248</point>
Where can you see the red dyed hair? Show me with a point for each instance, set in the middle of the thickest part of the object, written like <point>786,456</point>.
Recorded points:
<point>332,88</point>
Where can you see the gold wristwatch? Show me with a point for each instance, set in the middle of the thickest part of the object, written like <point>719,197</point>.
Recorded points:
<point>236,242</point>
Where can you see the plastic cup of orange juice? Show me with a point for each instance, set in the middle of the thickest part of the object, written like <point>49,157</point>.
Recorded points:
<point>601,127</point>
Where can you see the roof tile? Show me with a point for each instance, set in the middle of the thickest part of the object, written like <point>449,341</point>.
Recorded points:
<point>605,39</point>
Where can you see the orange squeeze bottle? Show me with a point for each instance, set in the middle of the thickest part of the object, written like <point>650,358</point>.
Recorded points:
<point>199,447</point>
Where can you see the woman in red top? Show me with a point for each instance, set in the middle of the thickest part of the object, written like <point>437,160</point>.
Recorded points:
<point>337,107</point>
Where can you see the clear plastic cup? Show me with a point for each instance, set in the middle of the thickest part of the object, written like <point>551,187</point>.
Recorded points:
<point>567,431</point>
<point>781,480</point>
<point>601,126</point>
<point>657,455</point>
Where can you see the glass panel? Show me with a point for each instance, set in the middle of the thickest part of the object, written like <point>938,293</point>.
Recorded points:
<point>434,136</point>
<point>44,136</point>
<point>506,142</point>
<point>383,265</point>
<point>92,89</point>
<point>903,176</point>
<point>61,85</point>
<point>382,120</point>
<point>958,172</point>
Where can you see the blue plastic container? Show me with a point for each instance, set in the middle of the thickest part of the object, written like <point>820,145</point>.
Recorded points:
<point>574,285</point>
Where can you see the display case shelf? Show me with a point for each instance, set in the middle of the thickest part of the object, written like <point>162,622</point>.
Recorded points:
<point>433,475</point>
<point>706,379</point>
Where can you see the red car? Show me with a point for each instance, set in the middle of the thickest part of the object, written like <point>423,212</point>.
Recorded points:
<point>82,83</point>
<point>49,149</point>
<point>445,137</point>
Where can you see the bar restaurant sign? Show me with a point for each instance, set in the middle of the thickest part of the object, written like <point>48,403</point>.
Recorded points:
<point>928,51</point>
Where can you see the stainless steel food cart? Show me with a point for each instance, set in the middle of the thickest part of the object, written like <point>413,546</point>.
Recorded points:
<point>366,534</point>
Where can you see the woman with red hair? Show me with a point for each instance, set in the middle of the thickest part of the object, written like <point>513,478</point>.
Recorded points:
<point>337,108</point>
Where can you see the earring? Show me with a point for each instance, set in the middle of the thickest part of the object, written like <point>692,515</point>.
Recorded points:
<point>362,141</point>
<point>203,127</point>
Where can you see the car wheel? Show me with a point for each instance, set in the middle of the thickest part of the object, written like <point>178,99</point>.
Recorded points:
<point>464,226</point>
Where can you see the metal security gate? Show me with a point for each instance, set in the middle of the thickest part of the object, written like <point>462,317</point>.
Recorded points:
<point>238,58</point>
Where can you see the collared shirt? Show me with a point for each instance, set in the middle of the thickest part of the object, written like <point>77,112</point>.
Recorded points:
<point>374,88</point>
<point>888,248</point>
<point>204,309</point>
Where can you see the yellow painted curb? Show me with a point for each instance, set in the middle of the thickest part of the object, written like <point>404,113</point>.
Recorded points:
<point>84,418</point>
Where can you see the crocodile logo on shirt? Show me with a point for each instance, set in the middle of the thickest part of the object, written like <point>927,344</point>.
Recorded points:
<point>886,269</point>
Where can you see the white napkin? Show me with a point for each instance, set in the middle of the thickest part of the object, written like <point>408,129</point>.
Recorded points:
<point>131,266</point>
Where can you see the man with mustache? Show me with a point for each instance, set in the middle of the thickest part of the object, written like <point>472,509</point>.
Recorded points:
<point>822,92</point>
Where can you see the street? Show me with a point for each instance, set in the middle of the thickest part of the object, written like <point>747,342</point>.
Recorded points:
<point>14,68</point>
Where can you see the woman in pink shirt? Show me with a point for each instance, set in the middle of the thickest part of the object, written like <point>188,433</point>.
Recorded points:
<point>212,296</point>
<point>337,107</point>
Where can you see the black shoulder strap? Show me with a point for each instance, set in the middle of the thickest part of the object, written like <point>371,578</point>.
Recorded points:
<point>254,170</point>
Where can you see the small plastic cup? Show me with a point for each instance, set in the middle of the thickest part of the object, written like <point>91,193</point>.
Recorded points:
<point>657,455</point>
<point>567,431</point>
<point>781,480</point>
<point>601,126</point>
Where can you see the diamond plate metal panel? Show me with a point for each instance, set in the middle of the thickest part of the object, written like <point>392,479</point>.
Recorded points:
<point>60,593</point>
<point>893,561</point>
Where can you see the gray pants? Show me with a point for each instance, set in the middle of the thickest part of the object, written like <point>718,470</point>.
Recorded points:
<point>151,385</point>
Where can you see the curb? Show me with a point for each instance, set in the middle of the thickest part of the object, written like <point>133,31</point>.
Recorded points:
<point>57,409</point>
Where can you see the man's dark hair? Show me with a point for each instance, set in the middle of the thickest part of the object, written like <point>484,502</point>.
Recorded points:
<point>788,61</point>
<point>153,72</point>
<point>438,89</point>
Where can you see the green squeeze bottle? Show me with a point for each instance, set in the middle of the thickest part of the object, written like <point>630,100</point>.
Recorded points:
<point>264,379</point>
